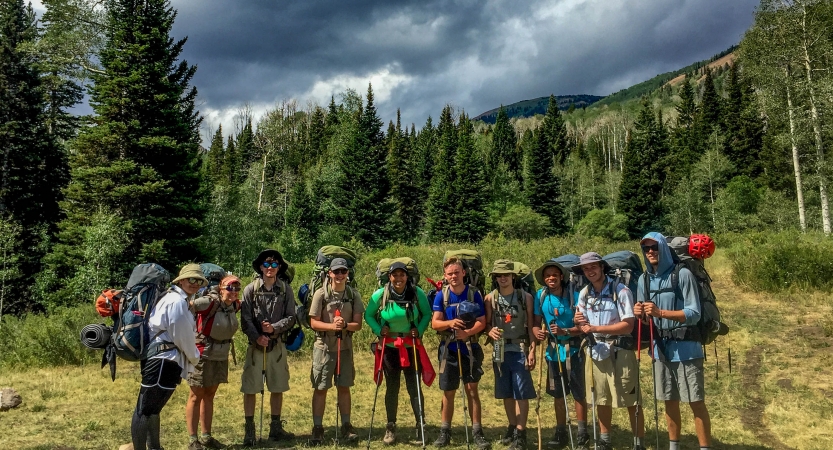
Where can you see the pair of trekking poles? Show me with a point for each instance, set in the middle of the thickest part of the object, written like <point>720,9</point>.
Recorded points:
<point>377,378</point>
<point>541,363</point>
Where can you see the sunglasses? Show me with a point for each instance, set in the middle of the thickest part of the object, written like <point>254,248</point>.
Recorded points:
<point>502,275</point>
<point>648,248</point>
<point>197,281</point>
<point>232,288</point>
<point>273,264</point>
<point>340,271</point>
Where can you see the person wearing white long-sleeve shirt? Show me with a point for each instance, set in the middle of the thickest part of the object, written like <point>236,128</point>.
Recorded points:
<point>171,357</point>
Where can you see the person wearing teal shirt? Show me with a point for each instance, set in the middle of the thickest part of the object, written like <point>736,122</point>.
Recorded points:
<point>554,306</point>
<point>399,313</point>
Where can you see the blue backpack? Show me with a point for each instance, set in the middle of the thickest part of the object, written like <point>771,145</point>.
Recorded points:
<point>147,284</point>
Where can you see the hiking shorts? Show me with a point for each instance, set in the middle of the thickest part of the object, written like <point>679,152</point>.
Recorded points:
<point>572,380</point>
<point>277,370</point>
<point>209,373</point>
<point>323,371</point>
<point>160,377</point>
<point>472,369</point>
<point>616,379</point>
<point>512,379</point>
<point>680,381</point>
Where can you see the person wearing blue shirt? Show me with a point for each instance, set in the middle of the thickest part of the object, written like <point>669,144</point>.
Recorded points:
<point>678,367</point>
<point>459,315</point>
<point>554,306</point>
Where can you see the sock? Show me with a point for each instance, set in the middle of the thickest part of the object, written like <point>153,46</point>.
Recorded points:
<point>476,428</point>
<point>445,426</point>
<point>582,427</point>
<point>276,418</point>
<point>637,440</point>
<point>318,421</point>
<point>250,420</point>
<point>604,437</point>
<point>704,448</point>
<point>673,445</point>
<point>205,435</point>
<point>192,438</point>
<point>345,419</point>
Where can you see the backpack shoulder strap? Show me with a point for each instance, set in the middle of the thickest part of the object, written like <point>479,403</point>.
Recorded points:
<point>470,296</point>
<point>445,291</point>
<point>384,300</point>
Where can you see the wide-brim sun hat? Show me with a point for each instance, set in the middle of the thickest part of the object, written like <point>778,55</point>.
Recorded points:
<point>590,258</point>
<point>502,266</point>
<point>190,271</point>
<point>539,272</point>
<point>274,254</point>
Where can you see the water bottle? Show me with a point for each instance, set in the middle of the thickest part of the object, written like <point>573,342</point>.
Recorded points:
<point>497,349</point>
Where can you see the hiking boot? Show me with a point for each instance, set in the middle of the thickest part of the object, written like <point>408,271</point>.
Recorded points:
<point>520,440</point>
<point>444,438</point>
<point>277,433</point>
<point>582,439</point>
<point>390,434</point>
<point>604,445</point>
<point>638,447</point>
<point>210,442</point>
<point>480,440</point>
<point>348,433</point>
<point>195,445</point>
<point>317,437</point>
<point>559,439</point>
<point>509,436</point>
<point>249,436</point>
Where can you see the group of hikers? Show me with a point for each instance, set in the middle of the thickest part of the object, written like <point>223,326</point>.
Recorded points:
<point>591,339</point>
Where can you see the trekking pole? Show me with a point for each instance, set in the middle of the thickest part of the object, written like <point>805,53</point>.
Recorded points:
<point>262,388</point>
<point>593,394</point>
<point>638,369</point>
<point>538,401</point>
<point>564,388</point>
<point>376,375</point>
<point>654,379</point>
<point>462,391</point>
<point>338,372</point>
<point>417,341</point>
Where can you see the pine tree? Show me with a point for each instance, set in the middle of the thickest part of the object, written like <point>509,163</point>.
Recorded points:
<point>317,134</point>
<point>469,218</point>
<point>555,131</point>
<point>504,144</point>
<point>743,126</point>
<point>688,143</point>
<point>709,104</point>
<point>440,201</point>
<point>245,150</point>
<point>216,158</point>
<point>543,185</point>
<point>639,192</point>
<point>33,167</point>
<point>231,163</point>
<point>403,181</point>
<point>139,159</point>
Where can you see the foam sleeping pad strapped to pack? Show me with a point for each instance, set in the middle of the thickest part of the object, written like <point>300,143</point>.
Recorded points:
<point>96,336</point>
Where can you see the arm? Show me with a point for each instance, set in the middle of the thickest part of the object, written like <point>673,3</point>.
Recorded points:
<point>370,312</point>
<point>355,323</point>
<point>181,331</point>
<point>618,328</point>
<point>285,323</point>
<point>249,323</point>
<point>530,321</point>
<point>424,311</point>
<point>537,329</point>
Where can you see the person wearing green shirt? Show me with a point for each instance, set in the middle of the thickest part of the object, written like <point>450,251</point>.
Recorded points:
<point>399,313</point>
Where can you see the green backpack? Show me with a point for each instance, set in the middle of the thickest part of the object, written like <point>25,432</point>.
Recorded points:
<point>473,264</point>
<point>383,269</point>
<point>323,259</point>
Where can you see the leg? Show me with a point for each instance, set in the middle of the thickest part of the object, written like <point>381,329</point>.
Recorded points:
<point>522,413</point>
<point>249,401</point>
<point>393,372</point>
<point>276,403</point>
<point>344,400</point>
<point>511,414</point>
<point>448,406</point>
<point>319,402</point>
<point>672,418</point>
<point>474,402</point>
<point>702,423</point>
<point>560,411</point>
<point>637,420</point>
<point>207,409</point>
<point>605,415</point>
<point>581,410</point>
<point>411,382</point>
<point>193,408</point>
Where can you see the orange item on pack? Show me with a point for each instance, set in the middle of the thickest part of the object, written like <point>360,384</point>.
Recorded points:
<point>107,303</point>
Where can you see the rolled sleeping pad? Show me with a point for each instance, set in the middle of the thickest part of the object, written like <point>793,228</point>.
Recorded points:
<point>96,336</point>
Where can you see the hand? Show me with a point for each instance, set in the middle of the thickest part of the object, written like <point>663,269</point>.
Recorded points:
<point>384,332</point>
<point>267,327</point>
<point>339,323</point>
<point>457,324</point>
<point>539,333</point>
<point>637,309</point>
<point>586,328</point>
<point>556,330</point>
<point>414,333</point>
<point>461,334</point>
<point>263,341</point>
<point>651,309</point>
<point>530,359</point>
<point>578,318</point>
<point>494,333</point>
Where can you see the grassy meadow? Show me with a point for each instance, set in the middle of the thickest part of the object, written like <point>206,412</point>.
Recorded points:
<point>779,393</point>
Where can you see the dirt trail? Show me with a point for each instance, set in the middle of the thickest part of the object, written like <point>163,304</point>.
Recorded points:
<point>752,416</point>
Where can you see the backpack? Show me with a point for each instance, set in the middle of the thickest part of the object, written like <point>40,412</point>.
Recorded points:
<point>323,258</point>
<point>575,282</point>
<point>709,327</point>
<point>524,280</point>
<point>383,272</point>
<point>147,284</point>
<point>107,304</point>
<point>626,268</point>
<point>473,265</point>
<point>213,273</point>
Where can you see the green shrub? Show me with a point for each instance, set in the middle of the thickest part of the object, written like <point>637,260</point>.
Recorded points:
<point>51,339</point>
<point>603,223</point>
<point>521,222</point>
<point>774,262</point>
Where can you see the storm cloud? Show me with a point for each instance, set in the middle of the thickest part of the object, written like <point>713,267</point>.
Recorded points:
<point>421,55</point>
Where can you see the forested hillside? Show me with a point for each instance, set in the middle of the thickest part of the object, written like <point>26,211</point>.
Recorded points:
<point>735,146</point>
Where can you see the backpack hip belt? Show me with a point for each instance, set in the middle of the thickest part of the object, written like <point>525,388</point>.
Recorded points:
<point>623,342</point>
<point>219,341</point>
<point>680,334</point>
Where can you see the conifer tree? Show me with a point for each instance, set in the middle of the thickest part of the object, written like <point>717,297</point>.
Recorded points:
<point>688,143</point>
<point>139,159</point>
<point>245,148</point>
<point>555,131</point>
<point>743,126</point>
<point>543,185</point>
<point>709,104</point>
<point>504,144</point>
<point>441,202</point>
<point>216,158</point>
<point>639,192</point>
<point>317,134</point>
<point>403,181</point>
<point>471,193</point>
<point>33,167</point>
<point>231,164</point>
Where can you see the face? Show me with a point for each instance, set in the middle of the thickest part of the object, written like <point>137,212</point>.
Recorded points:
<point>189,287</point>
<point>230,292</point>
<point>270,268</point>
<point>398,278</point>
<point>593,272</point>
<point>504,280</point>
<point>454,275</point>
<point>553,277</point>
<point>338,276</point>
<point>651,249</point>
